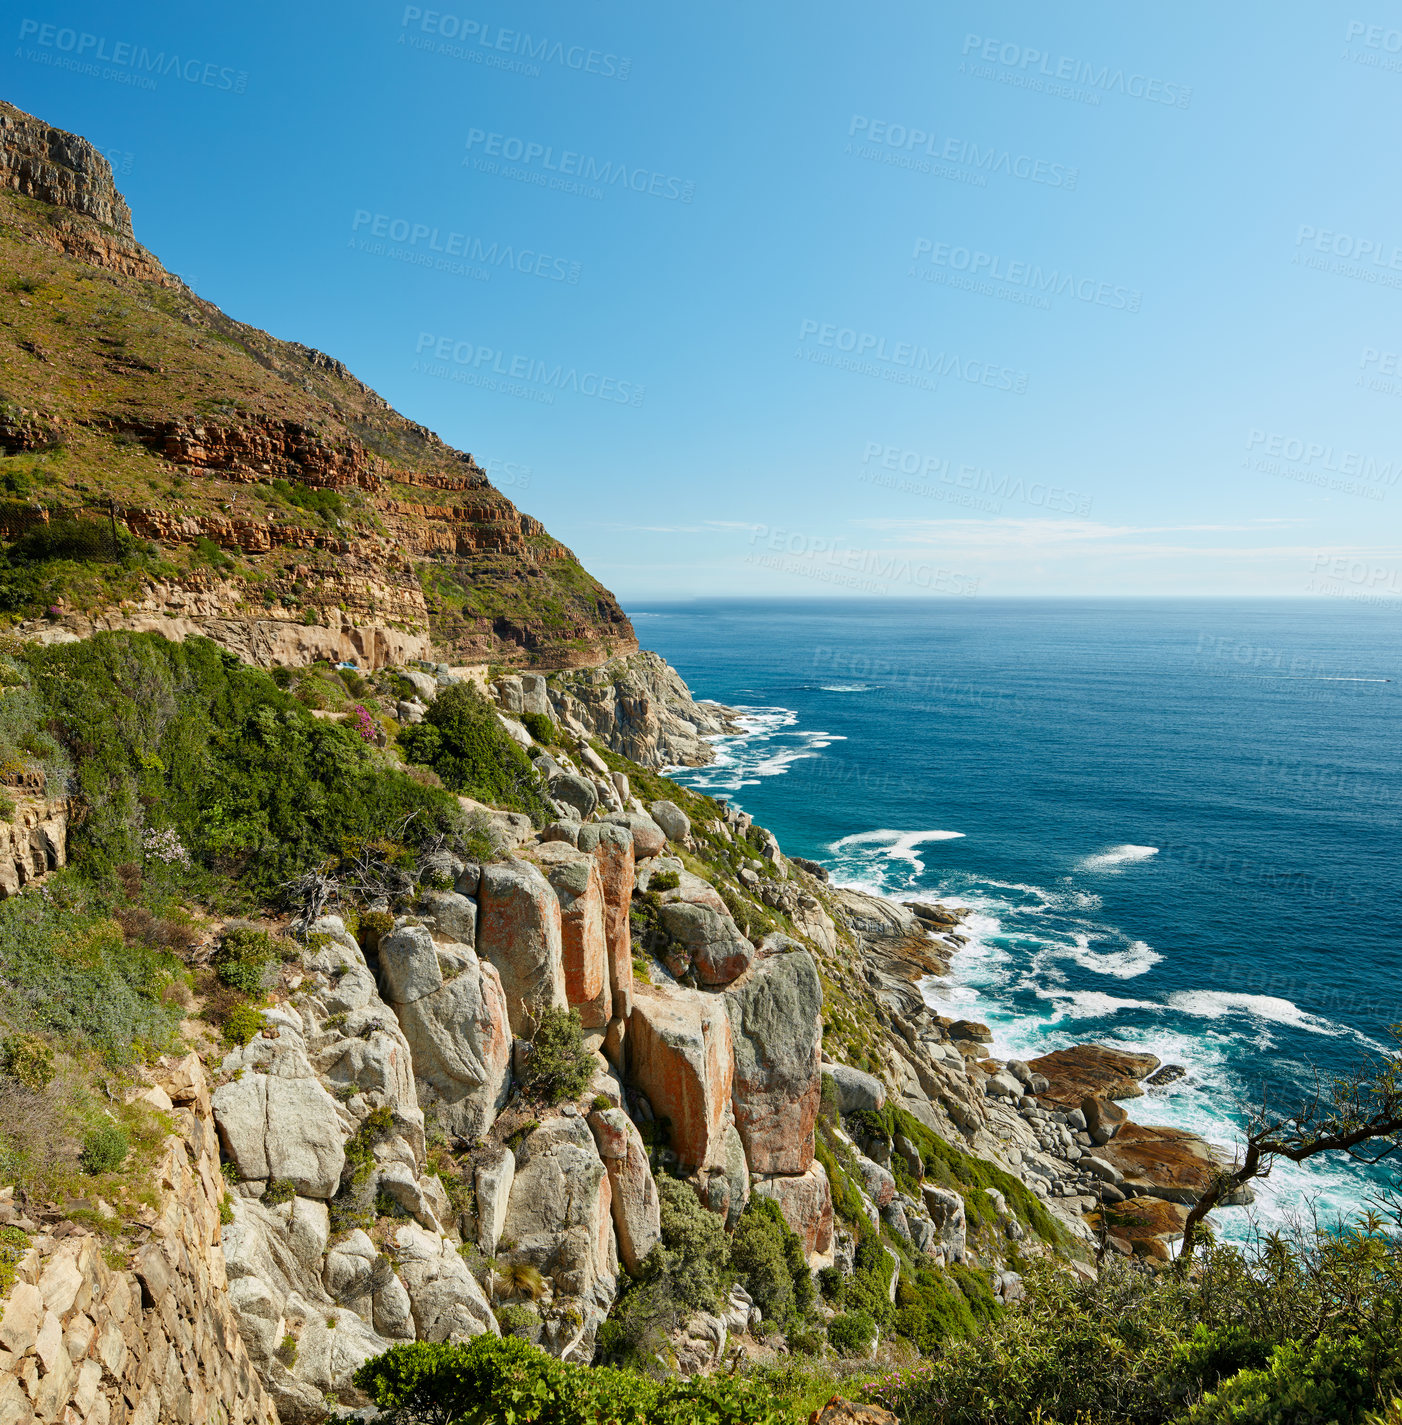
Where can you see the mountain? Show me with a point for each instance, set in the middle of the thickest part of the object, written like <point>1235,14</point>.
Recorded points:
<point>163,460</point>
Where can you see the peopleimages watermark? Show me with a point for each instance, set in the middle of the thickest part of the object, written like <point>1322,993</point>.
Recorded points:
<point>1380,371</point>
<point>512,50</point>
<point>504,473</point>
<point>1064,76</point>
<point>906,363</point>
<point>1312,462</point>
<point>1373,46</point>
<point>1364,259</point>
<point>1256,979</point>
<point>124,61</point>
<point>867,570</point>
<point>910,473</point>
<point>1309,677</point>
<point>888,675</point>
<point>1246,871</point>
<point>1338,576</point>
<point>121,160</point>
<point>473,364</point>
<point>1016,280</point>
<point>963,160</point>
<point>566,171</point>
<point>458,254</point>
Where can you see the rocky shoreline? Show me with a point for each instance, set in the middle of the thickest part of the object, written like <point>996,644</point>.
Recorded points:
<point>1055,1121</point>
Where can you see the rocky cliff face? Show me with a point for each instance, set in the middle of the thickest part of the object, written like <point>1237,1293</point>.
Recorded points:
<point>85,1339</point>
<point>637,705</point>
<point>220,450</point>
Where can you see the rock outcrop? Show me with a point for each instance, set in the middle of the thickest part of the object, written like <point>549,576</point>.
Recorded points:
<point>680,1055</point>
<point>34,841</point>
<point>776,1024</point>
<point>639,706</point>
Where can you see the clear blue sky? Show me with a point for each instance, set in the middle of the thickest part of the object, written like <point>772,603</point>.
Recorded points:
<point>1186,223</point>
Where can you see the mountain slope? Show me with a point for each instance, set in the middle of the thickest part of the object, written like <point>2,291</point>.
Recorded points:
<point>245,480</point>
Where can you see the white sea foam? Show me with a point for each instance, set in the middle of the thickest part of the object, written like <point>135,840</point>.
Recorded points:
<point>1136,958</point>
<point>891,846</point>
<point>1116,857</point>
<point>1218,1004</point>
<point>845,687</point>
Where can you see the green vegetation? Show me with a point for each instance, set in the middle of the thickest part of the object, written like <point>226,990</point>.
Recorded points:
<point>191,762</point>
<point>559,1066</point>
<point>493,1379</point>
<point>767,1256</point>
<point>1305,1328</point>
<point>541,728</point>
<point>463,741</point>
<point>243,958</point>
<point>105,1148</point>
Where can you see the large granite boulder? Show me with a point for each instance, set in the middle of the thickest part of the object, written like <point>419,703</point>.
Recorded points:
<point>518,930</point>
<point>459,1039</point>
<point>283,1126</point>
<point>855,1090</point>
<point>573,790</point>
<point>681,1057</point>
<point>946,1209</point>
<point>636,1211</point>
<point>409,965</point>
<point>710,945</point>
<point>648,838</point>
<point>574,877</point>
<point>672,819</point>
<point>560,1219</point>
<point>1091,1070</point>
<point>612,847</point>
<point>454,915</point>
<point>776,1023</point>
<point>445,1298</point>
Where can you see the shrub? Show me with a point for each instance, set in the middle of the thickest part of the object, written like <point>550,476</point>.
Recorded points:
<point>243,957</point>
<point>852,1333</point>
<point>104,1148</point>
<point>242,1023</point>
<point>67,970</point>
<point>767,1255</point>
<point>287,1351</point>
<point>541,728</point>
<point>183,736</point>
<point>559,1066</point>
<point>463,741</point>
<point>29,1060</point>
<point>280,1191</point>
<point>13,1245</point>
<point>504,1378</point>
<point>663,881</point>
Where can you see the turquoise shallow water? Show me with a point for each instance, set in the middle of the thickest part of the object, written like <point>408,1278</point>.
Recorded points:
<point>1175,823</point>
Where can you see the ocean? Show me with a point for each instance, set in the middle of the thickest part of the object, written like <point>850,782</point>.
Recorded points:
<point>1175,823</point>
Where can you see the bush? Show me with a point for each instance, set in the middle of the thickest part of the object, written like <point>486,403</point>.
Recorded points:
<point>243,957</point>
<point>768,1257</point>
<point>852,1334</point>
<point>29,1060</point>
<point>242,1023</point>
<point>559,1066</point>
<point>463,741</point>
<point>67,970</point>
<point>541,728</point>
<point>280,1191</point>
<point>185,737</point>
<point>503,1378</point>
<point>104,1149</point>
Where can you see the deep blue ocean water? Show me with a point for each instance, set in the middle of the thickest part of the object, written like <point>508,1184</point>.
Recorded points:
<point>1176,823</point>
